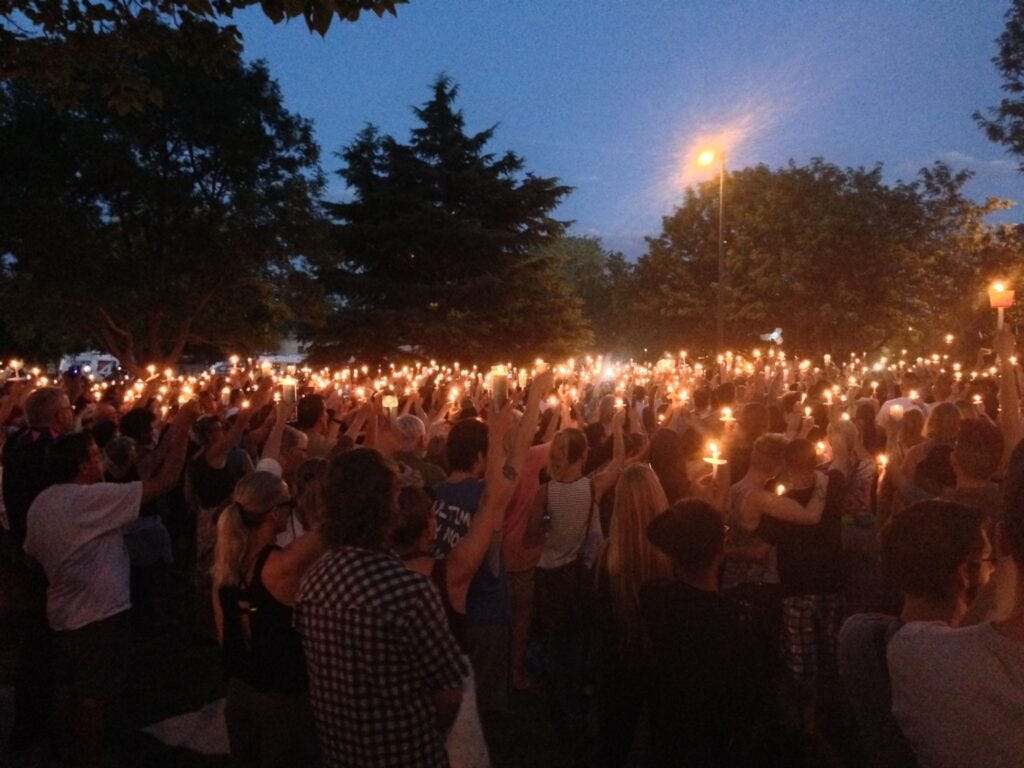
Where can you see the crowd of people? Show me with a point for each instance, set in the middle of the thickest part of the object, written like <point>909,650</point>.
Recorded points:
<point>741,562</point>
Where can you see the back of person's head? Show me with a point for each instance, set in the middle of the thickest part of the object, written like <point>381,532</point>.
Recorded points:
<point>309,410</point>
<point>595,434</point>
<point>979,449</point>
<point>411,432</point>
<point>924,546</point>
<point>308,482</point>
<point>769,453</point>
<point>692,442</point>
<point>691,533</point>
<point>66,455</point>
<point>844,433</point>
<point>801,457</point>
<point>43,406</point>
<point>103,433</point>
<point>943,424</point>
<point>568,447</point>
<point>293,439</point>
<point>254,497</point>
<point>412,518</point>
<point>467,442</point>
<point>753,419</point>
<point>701,398</point>
<point>629,558</point>
<point>911,427</point>
<point>934,473</point>
<point>361,493</point>
<point>669,463</point>
<point>118,457</point>
<point>725,394</point>
<point>205,429</point>
<point>138,425</point>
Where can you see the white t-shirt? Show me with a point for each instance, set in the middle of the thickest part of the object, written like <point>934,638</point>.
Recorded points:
<point>958,694</point>
<point>74,531</point>
<point>882,417</point>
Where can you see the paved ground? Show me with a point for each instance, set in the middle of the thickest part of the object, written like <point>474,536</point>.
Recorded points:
<point>172,673</point>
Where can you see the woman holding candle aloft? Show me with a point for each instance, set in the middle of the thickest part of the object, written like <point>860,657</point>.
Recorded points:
<point>565,517</point>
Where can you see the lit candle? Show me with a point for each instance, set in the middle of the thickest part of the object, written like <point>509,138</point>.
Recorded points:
<point>499,385</point>
<point>896,412</point>
<point>883,460</point>
<point>727,417</point>
<point>225,396</point>
<point>780,490</point>
<point>390,403</point>
<point>820,447</point>
<point>289,390</point>
<point>714,459</point>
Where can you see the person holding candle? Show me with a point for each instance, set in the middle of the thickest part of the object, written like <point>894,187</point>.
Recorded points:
<point>73,531</point>
<point>254,585</point>
<point>750,575</point>
<point>565,516</point>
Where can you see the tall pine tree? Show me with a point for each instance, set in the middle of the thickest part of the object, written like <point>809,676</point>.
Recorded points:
<point>438,250</point>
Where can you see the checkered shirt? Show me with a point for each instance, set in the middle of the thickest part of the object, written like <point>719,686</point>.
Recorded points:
<point>378,649</point>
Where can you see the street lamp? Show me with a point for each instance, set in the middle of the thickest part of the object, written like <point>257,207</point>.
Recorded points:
<point>707,157</point>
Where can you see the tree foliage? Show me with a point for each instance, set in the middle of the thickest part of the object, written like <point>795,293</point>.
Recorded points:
<point>150,232</point>
<point>603,282</point>
<point>437,249</point>
<point>834,256</point>
<point>57,45</point>
<point>1005,123</point>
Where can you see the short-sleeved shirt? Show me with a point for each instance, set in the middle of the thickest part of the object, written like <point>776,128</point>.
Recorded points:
<point>74,531</point>
<point>862,664</point>
<point>378,649</point>
<point>455,505</point>
<point>487,599</point>
<point>958,694</point>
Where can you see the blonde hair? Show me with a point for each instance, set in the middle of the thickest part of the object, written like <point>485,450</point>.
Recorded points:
<point>254,496</point>
<point>567,448</point>
<point>629,558</point>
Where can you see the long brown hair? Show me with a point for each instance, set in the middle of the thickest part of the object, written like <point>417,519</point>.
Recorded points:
<point>629,558</point>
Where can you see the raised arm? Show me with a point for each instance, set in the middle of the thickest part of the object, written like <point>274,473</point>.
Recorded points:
<point>170,470</point>
<point>1009,397</point>
<point>500,479</point>
<point>790,511</point>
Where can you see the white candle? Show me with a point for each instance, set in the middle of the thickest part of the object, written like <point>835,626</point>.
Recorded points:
<point>289,390</point>
<point>499,385</point>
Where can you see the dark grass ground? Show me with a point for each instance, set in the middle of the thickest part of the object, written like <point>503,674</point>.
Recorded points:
<point>172,673</point>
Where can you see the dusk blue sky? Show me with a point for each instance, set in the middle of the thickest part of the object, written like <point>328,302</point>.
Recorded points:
<point>614,97</point>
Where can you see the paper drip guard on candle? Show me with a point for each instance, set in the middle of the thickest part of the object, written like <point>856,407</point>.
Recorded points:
<point>390,403</point>
<point>714,459</point>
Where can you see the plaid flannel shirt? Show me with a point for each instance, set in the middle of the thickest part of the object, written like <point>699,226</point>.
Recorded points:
<point>378,649</point>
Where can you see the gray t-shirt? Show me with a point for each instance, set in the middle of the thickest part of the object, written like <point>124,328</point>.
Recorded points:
<point>958,694</point>
<point>862,665</point>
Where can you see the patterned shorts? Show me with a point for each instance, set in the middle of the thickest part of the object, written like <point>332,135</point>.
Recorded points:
<point>809,634</point>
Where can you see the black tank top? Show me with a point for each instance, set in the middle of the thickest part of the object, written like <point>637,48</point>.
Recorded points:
<point>260,646</point>
<point>212,486</point>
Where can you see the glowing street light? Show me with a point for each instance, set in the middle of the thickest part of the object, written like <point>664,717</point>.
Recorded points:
<point>706,158</point>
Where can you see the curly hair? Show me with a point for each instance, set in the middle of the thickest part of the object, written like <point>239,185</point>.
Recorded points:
<point>361,494</point>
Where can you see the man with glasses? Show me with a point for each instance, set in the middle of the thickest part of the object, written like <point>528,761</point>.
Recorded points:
<point>938,556</point>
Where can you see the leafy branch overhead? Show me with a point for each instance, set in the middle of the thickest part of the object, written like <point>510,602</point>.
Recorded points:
<point>63,47</point>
